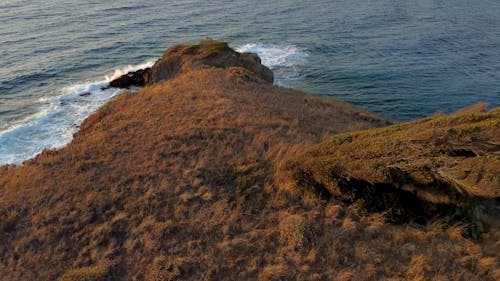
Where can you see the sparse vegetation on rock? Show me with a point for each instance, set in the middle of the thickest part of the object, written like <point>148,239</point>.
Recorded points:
<point>441,166</point>
<point>186,57</point>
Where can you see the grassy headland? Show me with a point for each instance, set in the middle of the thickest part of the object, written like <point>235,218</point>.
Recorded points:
<point>186,179</point>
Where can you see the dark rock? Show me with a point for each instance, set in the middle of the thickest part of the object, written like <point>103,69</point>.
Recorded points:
<point>85,94</point>
<point>138,78</point>
<point>461,152</point>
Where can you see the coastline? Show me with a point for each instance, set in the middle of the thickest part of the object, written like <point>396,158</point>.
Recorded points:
<point>195,177</point>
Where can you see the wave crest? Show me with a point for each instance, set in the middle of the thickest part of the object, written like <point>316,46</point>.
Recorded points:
<point>59,118</point>
<point>275,56</point>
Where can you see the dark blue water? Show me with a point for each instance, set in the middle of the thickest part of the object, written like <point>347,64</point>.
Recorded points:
<point>400,59</point>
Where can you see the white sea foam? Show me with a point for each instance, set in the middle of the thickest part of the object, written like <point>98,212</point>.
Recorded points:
<point>58,119</point>
<point>285,60</point>
<point>275,56</point>
<point>124,70</point>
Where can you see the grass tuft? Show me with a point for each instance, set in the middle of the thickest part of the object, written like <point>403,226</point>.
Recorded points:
<point>293,231</point>
<point>99,272</point>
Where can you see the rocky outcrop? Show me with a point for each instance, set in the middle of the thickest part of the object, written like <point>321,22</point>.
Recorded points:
<point>185,57</point>
<point>135,78</point>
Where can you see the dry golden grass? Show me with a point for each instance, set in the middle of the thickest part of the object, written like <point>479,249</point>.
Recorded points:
<point>163,269</point>
<point>185,167</point>
<point>274,272</point>
<point>99,272</point>
<point>438,167</point>
<point>183,58</point>
<point>417,268</point>
<point>293,231</point>
<point>182,181</point>
<point>459,153</point>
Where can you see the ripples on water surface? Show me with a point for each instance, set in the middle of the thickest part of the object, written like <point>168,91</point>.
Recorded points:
<point>399,59</point>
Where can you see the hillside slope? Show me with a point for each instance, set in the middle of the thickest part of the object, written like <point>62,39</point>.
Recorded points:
<point>440,166</point>
<point>184,180</point>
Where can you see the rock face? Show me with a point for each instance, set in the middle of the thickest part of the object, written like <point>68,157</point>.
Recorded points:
<point>184,57</point>
<point>136,78</point>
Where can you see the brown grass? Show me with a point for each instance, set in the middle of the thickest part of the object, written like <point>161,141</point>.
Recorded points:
<point>460,152</point>
<point>99,272</point>
<point>293,231</point>
<point>438,167</point>
<point>182,181</point>
<point>164,269</point>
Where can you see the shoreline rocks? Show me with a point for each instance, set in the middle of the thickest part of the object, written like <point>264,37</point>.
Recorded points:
<point>137,78</point>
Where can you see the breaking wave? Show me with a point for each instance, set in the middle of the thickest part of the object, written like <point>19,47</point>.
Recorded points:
<point>59,118</point>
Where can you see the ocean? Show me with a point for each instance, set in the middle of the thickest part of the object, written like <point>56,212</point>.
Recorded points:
<point>400,59</point>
